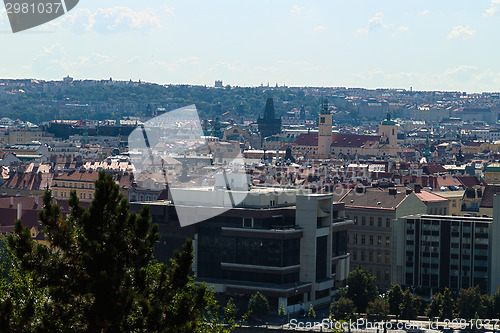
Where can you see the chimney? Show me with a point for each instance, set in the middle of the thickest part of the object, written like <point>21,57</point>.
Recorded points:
<point>11,201</point>
<point>393,191</point>
<point>19,211</point>
<point>417,188</point>
<point>408,191</point>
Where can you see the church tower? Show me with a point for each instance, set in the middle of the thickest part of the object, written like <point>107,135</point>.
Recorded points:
<point>388,132</point>
<point>325,130</point>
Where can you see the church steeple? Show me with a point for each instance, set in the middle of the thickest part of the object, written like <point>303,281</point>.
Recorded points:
<point>269,113</point>
<point>324,109</point>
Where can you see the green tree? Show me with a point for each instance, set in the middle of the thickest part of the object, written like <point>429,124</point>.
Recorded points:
<point>214,322</point>
<point>377,310</point>
<point>282,311</point>
<point>395,300</point>
<point>469,303</point>
<point>495,304</point>
<point>342,309</point>
<point>258,305</point>
<point>99,274</point>
<point>311,314</point>
<point>447,305</point>
<point>361,288</point>
<point>409,306</point>
<point>432,310</point>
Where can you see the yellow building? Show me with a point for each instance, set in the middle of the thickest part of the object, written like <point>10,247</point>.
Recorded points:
<point>22,136</point>
<point>325,130</point>
<point>492,173</point>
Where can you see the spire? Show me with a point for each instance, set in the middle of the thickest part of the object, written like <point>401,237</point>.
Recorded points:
<point>269,113</point>
<point>324,110</point>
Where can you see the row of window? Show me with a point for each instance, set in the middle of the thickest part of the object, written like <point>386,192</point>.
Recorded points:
<point>369,256</point>
<point>75,185</point>
<point>371,221</point>
<point>66,195</point>
<point>361,239</point>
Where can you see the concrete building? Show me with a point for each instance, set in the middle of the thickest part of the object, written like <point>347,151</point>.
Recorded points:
<point>437,252</point>
<point>373,211</point>
<point>294,251</point>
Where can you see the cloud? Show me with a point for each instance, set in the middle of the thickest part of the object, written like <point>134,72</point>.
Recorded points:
<point>400,30</point>
<point>494,8</point>
<point>318,29</point>
<point>375,23</point>
<point>425,12</point>
<point>461,32</point>
<point>301,11</point>
<point>111,20</point>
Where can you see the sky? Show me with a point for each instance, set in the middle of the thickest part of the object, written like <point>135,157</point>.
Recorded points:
<point>428,45</point>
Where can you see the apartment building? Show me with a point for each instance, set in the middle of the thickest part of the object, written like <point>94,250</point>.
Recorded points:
<point>437,252</point>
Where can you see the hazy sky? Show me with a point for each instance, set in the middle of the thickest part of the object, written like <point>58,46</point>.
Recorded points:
<point>429,45</point>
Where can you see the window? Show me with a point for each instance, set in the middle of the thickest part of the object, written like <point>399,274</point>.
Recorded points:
<point>454,203</point>
<point>355,238</point>
<point>363,220</point>
<point>362,255</point>
<point>371,239</point>
<point>362,239</point>
<point>355,220</point>
<point>372,220</point>
<point>322,120</point>
<point>379,240</point>
<point>379,257</point>
<point>387,258</point>
<point>387,241</point>
<point>370,256</point>
<point>90,196</point>
<point>355,255</point>
<point>387,275</point>
<point>247,222</point>
<point>388,222</point>
<point>379,221</point>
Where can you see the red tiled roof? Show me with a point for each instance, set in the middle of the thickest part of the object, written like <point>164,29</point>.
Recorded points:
<point>352,140</point>
<point>338,140</point>
<point>425,196</point>
<point>307,139</point>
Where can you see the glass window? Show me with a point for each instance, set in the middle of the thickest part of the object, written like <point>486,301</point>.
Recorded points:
<point>362,239</point>
<point>371,239</point>
<point>388,222</point>
<point>387,241</point>
<point>363,220</point>
<point>379,257</point>
<point>387,258</point>
<point>379,240</point>
<point>372,220</point>
<point>379,221</point>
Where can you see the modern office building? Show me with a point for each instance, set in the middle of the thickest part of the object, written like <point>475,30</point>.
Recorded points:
<point>288,245</point>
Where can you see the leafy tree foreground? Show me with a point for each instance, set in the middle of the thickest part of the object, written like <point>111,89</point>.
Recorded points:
<point>98,273</point>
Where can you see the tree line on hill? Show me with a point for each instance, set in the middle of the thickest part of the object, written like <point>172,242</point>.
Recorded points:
<point>40,106</point>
